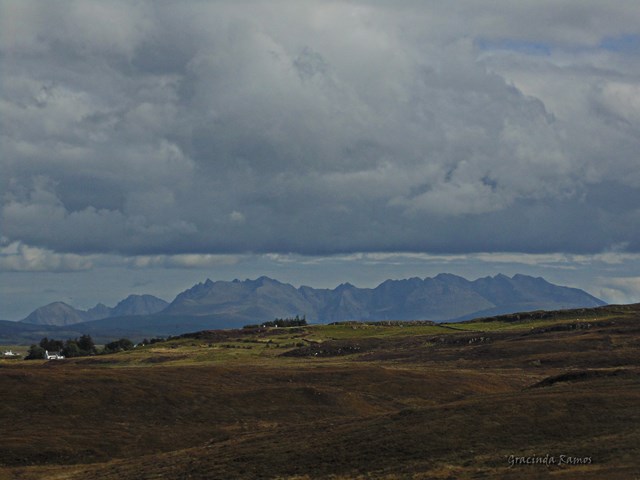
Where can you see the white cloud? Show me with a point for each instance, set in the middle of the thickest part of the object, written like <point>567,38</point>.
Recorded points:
<point>185,261</point>
<point>619,290</point>
<point>17,257</point>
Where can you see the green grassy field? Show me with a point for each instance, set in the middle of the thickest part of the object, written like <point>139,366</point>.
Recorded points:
<point>348,401</point>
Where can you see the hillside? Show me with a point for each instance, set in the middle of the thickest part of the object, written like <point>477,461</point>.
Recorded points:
<point>354,400</point>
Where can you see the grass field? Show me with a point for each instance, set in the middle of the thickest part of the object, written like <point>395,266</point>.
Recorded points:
<point>349,401</point>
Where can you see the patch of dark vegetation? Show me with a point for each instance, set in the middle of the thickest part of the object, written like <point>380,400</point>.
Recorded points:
<point>152,341</point>
<point>389,323</point>
<point>116,346</point>
<point>216,336</point>
<point>583,375</point>
<point>324,351</point>
<point>560,328</point>
<point>563,327</point>
<point>461,339</point>
<point>241,347</point>
<point>391,348</point>
<point>335,348</point>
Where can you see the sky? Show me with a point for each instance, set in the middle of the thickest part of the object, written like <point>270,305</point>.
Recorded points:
<point>148,145</point>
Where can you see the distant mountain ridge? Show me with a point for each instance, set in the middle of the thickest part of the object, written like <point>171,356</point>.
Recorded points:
<point>231,304</point>
<point>61,314</point>
<point>444,297</point>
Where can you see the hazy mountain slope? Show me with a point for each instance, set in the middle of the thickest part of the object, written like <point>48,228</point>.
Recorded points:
<point>13,333</point>
<point>138,305</point>
<point>249,298</point>
<point>99,311</point>
<point>443,297</point>
<point>525,293</point>
<point>59,313</point>
<point>158,325</point>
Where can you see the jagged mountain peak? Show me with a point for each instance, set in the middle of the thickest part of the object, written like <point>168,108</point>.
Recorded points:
<point>444,297</point>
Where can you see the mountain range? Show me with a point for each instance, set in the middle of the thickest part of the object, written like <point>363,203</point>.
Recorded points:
<point>224,304</point>
<point>444,297</point>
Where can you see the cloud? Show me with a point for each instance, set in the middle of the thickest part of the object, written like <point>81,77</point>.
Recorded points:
<point>184,261</point>
<point>619,290</point>
<point>165,132</point>
<point>16,257</point>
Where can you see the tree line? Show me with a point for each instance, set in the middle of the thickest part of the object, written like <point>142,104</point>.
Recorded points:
<point>79,347</point>
<point>282,322</point>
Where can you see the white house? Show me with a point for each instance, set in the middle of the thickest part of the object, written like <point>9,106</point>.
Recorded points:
<point>9,353</point>
<point>53,356</point>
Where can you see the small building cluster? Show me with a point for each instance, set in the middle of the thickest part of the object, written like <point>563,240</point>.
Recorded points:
<point>53,355</point>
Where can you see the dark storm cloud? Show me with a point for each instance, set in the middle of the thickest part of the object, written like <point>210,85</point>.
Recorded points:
<point>318,127</point>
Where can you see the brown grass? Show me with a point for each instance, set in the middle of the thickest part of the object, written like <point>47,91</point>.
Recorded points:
<point>423,405</point>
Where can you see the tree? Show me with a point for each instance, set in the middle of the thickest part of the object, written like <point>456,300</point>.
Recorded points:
<point>51,344</point>
<point>71,349</point>
<point>36,352</point>
<point>86,345</point>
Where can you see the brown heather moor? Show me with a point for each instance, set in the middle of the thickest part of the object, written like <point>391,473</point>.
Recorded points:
<point>350,401</point>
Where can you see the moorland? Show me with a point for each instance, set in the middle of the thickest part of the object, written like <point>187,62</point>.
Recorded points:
<point>520,396</point>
